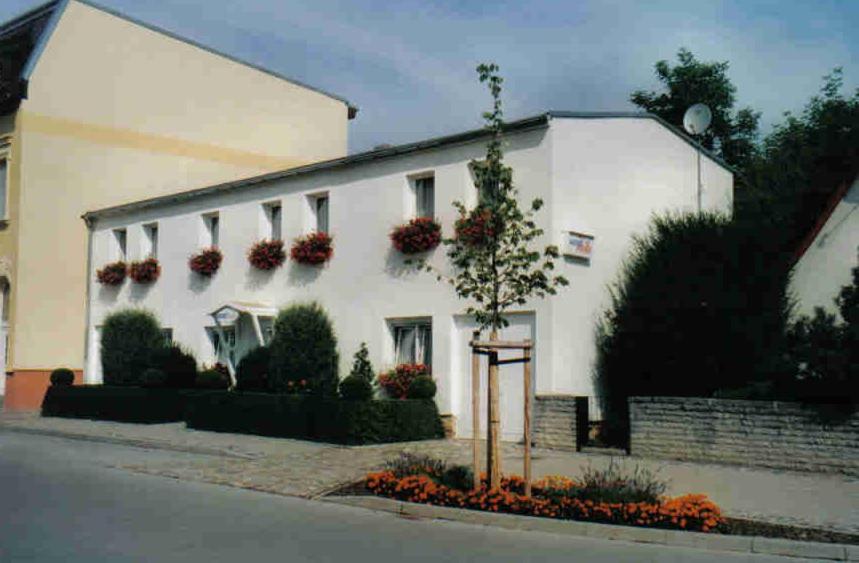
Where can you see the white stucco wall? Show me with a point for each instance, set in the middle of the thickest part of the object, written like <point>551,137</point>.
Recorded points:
<point>826,266</point>
<point>589,182</point>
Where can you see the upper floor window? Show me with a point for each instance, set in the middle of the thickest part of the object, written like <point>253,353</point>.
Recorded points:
<point>274,219</point>
<point>4,184</point>
<point>211,229</point>
<point>120,247</point>
<point>413,342</point>
<point>425,197</point>
<point>150,240</point>
<point>320,212</point>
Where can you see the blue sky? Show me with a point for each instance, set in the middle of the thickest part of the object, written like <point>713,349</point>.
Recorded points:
<point>409,65</point>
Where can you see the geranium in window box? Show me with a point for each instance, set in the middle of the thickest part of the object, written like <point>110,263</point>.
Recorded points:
<point>145,271</point>
<point>112,274</point>
<point>396,383</point>
<point>477,227</point>
<point>267,254</point>
<point>206,262</point>
<point>312,249</point>
<point>418,235</point>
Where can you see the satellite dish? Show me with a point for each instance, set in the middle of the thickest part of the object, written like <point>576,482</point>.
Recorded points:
<point>697,119</point>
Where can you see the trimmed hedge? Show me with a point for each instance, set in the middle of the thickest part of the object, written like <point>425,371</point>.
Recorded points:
<point>121,404</point>
<point>313,418</point>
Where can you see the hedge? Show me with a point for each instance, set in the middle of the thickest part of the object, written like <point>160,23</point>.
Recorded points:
<point>313,418</point>
<point>121,404</point>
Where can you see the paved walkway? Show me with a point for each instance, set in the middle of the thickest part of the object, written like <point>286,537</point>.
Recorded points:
<point>309,469</point>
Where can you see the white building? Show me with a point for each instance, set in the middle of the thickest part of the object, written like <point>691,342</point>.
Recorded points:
<point>602,175</point>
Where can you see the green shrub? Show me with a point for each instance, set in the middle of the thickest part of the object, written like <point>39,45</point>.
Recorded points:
<point>459,477</point>
<point>122,404</point>
<point>422,387</point>
<point>361,366</point>
<point>212,378</point>
<point>304,348</point>
<point>408,463</point>
<point>153,378</point>
<point>252,371</point>
<point>179,366</point>
<point>129,341</point>
<point>356,388</point>
<point>62,376</point>
<point>614,484</point>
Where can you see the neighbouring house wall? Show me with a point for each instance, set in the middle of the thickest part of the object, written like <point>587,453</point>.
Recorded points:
<point>610,177</point>
<point>756,433</point>
<point>826,266</point>
<point>8,237</point>
<point>115,113</point>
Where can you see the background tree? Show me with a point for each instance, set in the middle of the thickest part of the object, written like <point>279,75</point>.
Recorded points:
<point>304,348</point>
<point>732,135</point>
<point>495,264</point>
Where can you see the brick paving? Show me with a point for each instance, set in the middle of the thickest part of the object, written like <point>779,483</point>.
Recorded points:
<point>310,469</point>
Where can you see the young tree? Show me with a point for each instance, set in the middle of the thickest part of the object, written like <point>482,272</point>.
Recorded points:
<point>731,135</point>
<point>495,264</point>
<point>361,366</point>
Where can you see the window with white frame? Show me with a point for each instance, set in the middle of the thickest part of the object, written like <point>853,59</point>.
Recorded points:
<point>150,240</point>
<point>412,342</point>
<point>120,244</point>
<point>425,197</point>
<point>211,229</point>
<point>273,212</point>
<point>320,213</point>
<point>4,184</point>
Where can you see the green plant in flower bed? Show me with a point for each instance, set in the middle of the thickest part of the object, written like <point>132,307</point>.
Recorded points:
<point>632,503</point>
<point>396,383</point>
<point>215,377</point>
<point>252,371</point>
<point>62,376</point>
<point>356,388</point>
<point>304,349</point>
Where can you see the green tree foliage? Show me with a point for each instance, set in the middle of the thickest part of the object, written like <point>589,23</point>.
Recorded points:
<point>732,135</point>
<point>496,266</point>
<point>356,388</point>
<point>696,309</point>
<point>129,341</point>
<point>361,366</point>
<point>179,366</point>
<point>304,347</point>
<point>252,371</point>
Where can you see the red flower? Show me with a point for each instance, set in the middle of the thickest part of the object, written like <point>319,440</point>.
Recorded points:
<point>145,271</point>
<point>418,235</point>
<point>267,254</point>
<point>112,274</point>
<point>476,228</point>
<point>396,382</point>
<point>206,262</point>
<point>312,249</point>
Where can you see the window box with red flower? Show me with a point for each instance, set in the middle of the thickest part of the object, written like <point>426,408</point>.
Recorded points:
<point>267,254</point>
<point>112,274</point>
<point>477,227</point>
<point>418,235</point>
<point>312,249</point>
<point>396,383</point>
<point>206,262</point>
<point>145,271</point>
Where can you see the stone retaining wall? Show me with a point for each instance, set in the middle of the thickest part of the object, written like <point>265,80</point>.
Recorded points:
<point>560,422</point>
<point>757,433</point>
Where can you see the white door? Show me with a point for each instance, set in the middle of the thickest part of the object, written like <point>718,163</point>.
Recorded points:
<point>93,373</point>
<point>512,390</point>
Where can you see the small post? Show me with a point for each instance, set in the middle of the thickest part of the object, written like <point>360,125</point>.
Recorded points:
<point>475,410</point>
<point>494,420</point>
<point>526,368</point>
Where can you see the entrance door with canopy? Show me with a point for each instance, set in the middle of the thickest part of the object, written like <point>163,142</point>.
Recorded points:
<point>239,328</point>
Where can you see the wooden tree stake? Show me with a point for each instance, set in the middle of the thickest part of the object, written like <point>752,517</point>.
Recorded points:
<point>526,368</point>
<point>475,410</point>
<point>494,420</point>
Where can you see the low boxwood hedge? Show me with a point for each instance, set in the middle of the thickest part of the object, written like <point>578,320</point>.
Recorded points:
<point>313,418</point>
<point>122,404</point>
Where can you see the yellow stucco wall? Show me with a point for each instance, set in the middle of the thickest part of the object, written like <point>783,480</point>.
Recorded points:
<point>117,113</point>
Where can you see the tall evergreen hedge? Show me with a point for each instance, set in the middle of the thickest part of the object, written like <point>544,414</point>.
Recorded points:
<point>698,308</point>
<point>130,341</point>
<point>304,347</point>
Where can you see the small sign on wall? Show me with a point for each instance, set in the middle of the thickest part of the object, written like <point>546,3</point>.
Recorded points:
<point>578,245</point>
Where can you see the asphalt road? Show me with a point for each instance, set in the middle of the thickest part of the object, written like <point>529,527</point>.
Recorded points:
<point>61,500</point>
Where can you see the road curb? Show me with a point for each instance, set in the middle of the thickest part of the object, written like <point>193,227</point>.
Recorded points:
<point>697,540</point>
<point>130,442</point>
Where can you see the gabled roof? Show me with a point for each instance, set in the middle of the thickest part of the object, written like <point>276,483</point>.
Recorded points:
<point>40,23</point>
<point>534,122</point>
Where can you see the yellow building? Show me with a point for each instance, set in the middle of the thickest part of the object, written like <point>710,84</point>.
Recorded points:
<point>99,110</point>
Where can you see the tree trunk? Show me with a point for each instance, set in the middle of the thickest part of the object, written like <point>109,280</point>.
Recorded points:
<point>493,457</point>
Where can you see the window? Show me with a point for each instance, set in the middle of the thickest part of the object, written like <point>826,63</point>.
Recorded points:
<point>224,351</point>
<point>120,236</point>
<point>273,214</point>
<point>425,197</point>
<point>413,342</point>
<point>321,210</point>
<point>167,333</point>
<point>475,168</point>
<point>4,185</point>
<point>211,224</point>
<point>150,240</point>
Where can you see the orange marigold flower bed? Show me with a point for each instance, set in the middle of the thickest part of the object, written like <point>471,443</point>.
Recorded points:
<point>688,512</point>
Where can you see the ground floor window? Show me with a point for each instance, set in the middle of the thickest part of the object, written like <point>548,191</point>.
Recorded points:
<point>413,342</point>
<point>224,348</point>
